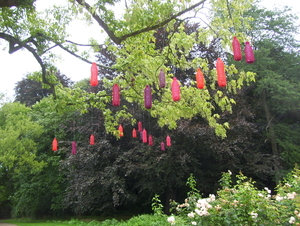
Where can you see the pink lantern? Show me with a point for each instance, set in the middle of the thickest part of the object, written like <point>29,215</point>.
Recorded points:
<point>162,146</point>
<point>116,95</point>
<point>74,146</point>
<point>140,126</point>
<point>92,139</point>
<point>134,133</point>
<point>147,97</point>
<point>162,79</point>
<point>144,136</point>
<point>168,140</point>
<point>236,47</point>
<point>221,73</point>
<point>94,75</point>
<point>150,140</point>
<point>175,90</point>
<point>54,144</point>
<point>249,54</point>
<point>200,79</point>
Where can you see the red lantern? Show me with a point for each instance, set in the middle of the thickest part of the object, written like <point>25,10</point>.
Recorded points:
<point>168,140</point>
<point>140,126</point>
<point>221,73</point>
<point>116,95</point>
<point>92,139</point>
<point>162,79</point>
<point>74,151</point>
<point>200,79</point>
<point>175,90</point>
<point>144,136</point>
<point>162,146</point>
<point>121,131</point>
<point>150,140</point>
<point>236,47</point>
<point>249,54</point>
<point>54,144</point>
<point>94,75</point>
<point>134,133</point>
<point>147,97</point>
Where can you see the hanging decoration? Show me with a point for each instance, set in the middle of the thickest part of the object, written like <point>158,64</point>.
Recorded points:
<point>144,136</point>
<point>94,75</point>
<point>116,95</point>
<point>74,151</point>
<point>221,73</point>
<point>199,79</point>
<point>140,126</point>
<point>150,140</point>
<point>141,136</point>
<point>162,146</point>
<point>121,131</point>
<point>134,133</point>
<point>249,54</point>
<point>147,97</point>
<point>162,79</point>
<point>168,140</point>
<point>54,144</point>
<point>236,47</point>
<point>175,90</point>
<point>92,139</point>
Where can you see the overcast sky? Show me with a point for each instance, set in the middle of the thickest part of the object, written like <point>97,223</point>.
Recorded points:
<point>14,67</point>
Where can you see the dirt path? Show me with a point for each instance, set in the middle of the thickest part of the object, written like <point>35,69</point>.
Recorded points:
<point>7,224</point>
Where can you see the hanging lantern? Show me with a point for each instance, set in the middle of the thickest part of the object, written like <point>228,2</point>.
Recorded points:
<point>74,151</point>
<point>175,90</point>
<point>116,95</point>
<point>221,73</point>
<point>92,139</point>
<point>54,144</point>
<point>168,140</point>
<point>249,54</point>
<point>162,146</point>
<point>141,136</point>
<point>236,47</point>
<point>134,133</point>
<point>147,97</point>
<point>140,126</point>
<point>94,75</point>
<point>199,79</point>
<point>162,79</point>
<point>144,136</point>
<point>150,140</point>
<point>121,131</point>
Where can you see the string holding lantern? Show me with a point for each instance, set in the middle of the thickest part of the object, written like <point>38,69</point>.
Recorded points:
<point>140,126</point>
<point>94,75</point>
<point>249,53</point>
<point>74,147</point>
<point>134,133</point>
<point>92,139</point>
<point>175,90</point>
<point>162,79</point>
<point>200,79</point>
<point>150,140</point>
<point>54,144</point>
<point>144,136</point>
<point>116,95</point>
<point>236,47</point>
<point>221,73</point>
<point>121,131</point>
<point>162,146</point>
<point>168,140</point>
<point>147,97</point>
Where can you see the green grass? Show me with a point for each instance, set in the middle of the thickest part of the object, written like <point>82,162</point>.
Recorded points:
<point>35,223</point>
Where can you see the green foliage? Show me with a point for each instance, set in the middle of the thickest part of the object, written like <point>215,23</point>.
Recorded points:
<point>157,207</point>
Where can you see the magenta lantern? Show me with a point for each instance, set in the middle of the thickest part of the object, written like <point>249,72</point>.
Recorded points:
<point>116,95</point>
<point>134,133</point>
<point>175,90</point>
<point>94,75</point>
<point>140,126</point>
<point>74,151</point>
<point>236,47</point>
<point>162,79</point>
<point>168,140</point>
<point>144,136</point>
<point>162,146</point>
<point>92,139</point>
<point>249,54</point>
<point>150,140</point>
<point>147,97</point>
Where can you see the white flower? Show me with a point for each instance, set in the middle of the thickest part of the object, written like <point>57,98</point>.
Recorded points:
<point>260,195</point>
<point>279,198</point>
<point>292,220</point>
<point>268,190</point>
<point>291,195</point>
<point>253,215</point>
<point>212,198</point>
<point>192,214</point>
<point>194,223</point>
<point>171,220</point>
<point>230,173</point>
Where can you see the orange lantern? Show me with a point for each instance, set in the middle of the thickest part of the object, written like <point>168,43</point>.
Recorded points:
<point>150,140</point>
<point>121,131</point>
<point>162,79</point>
<point>175,90</point>
<point>168,140</point>
<point>144,136</point>
<point>147,97</point>
<point>140,126</point>
<point>94,75</point>
<point>92,139</point>
<point>200,79</point>
<point>54,144</point>
<point>162,146</point>
<point>249,54</point>
<point>134,133</point>
<point>221,73</point>
<point>236,47</point>
<point>116,95</point>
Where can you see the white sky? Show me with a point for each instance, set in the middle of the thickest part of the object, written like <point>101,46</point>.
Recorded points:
<point>14,67</point>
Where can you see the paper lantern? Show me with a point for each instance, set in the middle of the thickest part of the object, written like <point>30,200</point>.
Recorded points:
<point>249,54</point>
<point>175,90</point>
<point>140,126</point>
<point>92,139</point>
<point>134,133</point>
<point>147,97</point>
<point>236,47</point>
<point>150,140</point>
<point>121,131</point>
<point>54,144</point>
<point>144,136</point>
<point>116,95</point>
<point>141,136</point>
<point>221,73</point>
<point>162,146</point>
<point>74,146</point>
<point>199,79</point>
<point>168,140</point>
<point>162,79</point>
<point>94,75</point>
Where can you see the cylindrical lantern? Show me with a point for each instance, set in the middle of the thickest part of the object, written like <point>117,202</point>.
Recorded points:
<point>94,75</point>
<point>92,139</point>
<point>249,54</point>
<point>162,79</point>
<point>199,79</point>
<point>140,126</point>
<point>116,95</point>
<point>144,136</point>
<point>221,73</point>
<point>141,136</point>
<point>236,47</point>
<point>134,133</point>
<point>147,97</point>
<point>175,90</point>
<point>168,140</point>
<point>54,144</point>
<point>121,131</point>
<point>162,146</point>
<point>74,151</point>
<point>150,140</point>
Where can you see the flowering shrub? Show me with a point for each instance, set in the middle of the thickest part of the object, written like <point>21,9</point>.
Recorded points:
<point>241,203</point>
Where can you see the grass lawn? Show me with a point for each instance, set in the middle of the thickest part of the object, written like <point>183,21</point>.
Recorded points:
<point>35,223</point>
